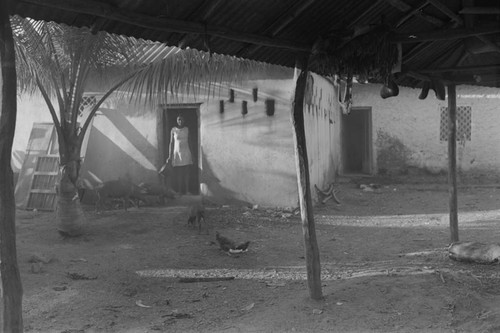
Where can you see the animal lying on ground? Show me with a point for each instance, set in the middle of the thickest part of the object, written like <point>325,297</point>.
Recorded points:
<point>229,246</point>
<point>162,192</point>
<point>475,252</point>
<point>196,215</point>
<point>118,189</point>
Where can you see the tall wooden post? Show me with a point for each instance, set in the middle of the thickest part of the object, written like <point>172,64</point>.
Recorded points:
<point>452,161</point>
<point>11,302</point>
<point>305,201</point>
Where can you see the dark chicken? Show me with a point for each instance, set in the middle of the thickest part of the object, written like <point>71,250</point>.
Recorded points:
<point>229,246</point>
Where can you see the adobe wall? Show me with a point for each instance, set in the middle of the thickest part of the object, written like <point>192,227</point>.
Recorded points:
<point>406,131</point>
<point>245,158</point>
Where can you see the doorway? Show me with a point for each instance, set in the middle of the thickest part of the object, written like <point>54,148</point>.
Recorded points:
<point>357,141</point>
<point>191,114</point>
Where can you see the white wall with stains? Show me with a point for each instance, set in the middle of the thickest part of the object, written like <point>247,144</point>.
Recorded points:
<point>244,158</point>
<point>406,130</point>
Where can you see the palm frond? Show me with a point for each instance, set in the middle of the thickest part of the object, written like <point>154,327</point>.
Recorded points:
<point>188,72</point>
<point>67,60</point>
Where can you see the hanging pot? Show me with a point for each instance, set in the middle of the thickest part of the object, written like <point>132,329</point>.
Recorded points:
<point>389,89</point>
<point>425,90</point>
<point>439,89</point>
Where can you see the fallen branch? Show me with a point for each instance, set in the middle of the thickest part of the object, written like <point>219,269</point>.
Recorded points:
<point>329,193</point>
<point>205,279</point>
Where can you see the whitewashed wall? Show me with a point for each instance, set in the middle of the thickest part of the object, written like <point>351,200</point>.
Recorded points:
<point>410,128</point>
<point>245,158</point>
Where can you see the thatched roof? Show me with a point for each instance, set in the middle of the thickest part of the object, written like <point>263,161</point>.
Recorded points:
<point>451,40</point>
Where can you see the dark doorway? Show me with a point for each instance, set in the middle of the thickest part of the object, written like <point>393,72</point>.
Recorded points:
<point>357,141</point>
<point>191,113</point>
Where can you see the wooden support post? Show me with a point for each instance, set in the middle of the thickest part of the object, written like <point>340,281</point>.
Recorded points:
<point>11,295</point>
<point>452,160</point>
<point>305,201</point>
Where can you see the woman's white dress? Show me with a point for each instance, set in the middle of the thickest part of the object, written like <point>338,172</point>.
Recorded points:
<point>182,153</point>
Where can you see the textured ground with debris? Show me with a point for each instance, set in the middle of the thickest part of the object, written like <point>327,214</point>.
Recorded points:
<point>383,251</point>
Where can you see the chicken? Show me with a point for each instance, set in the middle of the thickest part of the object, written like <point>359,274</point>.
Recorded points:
<point>243,247</point>
<point>229,246</point>
<point>196,216</point>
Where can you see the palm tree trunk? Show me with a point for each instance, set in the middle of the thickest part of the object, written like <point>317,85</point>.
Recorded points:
<point>69,212</point>
<point>11,303</point>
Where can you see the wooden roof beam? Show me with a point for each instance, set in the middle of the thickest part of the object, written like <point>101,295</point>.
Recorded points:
<point>279,24</point>
<point>103,10</point>
<point>447,34</point>
<point>416,51</point>
<point>480,10</point>
<point>417,11</point>
<point>448,12</point>
<point>213,5</point>
<point>490,45</point>
<point>400,5</point>
<point>472,69</point>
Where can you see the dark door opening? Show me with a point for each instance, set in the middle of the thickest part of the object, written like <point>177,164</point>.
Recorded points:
<point>191,116</point>
<point>357,141</point>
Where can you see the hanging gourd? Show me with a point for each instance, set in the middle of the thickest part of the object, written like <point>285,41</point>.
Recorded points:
<point>345,102</point>
<point>390,88</point>
<point>425,90</point>
<point>439,89</point>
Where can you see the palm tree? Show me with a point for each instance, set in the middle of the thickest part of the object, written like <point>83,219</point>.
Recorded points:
<point>60,62</point>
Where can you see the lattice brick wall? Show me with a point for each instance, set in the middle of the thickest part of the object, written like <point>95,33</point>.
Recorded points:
<point>464,123</point>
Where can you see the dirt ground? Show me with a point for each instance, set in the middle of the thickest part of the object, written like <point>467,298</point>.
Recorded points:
<point>383,254</point>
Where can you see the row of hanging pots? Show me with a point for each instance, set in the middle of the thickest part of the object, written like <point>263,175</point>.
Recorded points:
<point>391,89</point>
<point>435,85</point>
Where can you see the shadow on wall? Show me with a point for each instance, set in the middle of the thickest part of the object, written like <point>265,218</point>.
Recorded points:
<point>218,194</point>
<point>392,155</point>
<point>118,149</point>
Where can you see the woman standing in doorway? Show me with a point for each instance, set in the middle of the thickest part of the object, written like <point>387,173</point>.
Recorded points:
<point>179,155</point>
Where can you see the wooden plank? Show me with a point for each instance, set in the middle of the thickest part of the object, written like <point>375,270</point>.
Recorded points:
<point>452,161</point>
<point>43,191</point>
<point>305,200</point>
<point>11,318</point>
<point>37,189</point>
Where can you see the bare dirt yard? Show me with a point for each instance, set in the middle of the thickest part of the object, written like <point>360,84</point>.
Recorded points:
<point>383,253</point>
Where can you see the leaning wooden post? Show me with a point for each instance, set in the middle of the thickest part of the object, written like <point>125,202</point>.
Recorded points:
<point>11,292</point>
<point>452,160</point>
<point>305,201</point>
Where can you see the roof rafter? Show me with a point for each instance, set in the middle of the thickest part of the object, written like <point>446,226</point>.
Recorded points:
<point>414,12</point>
<point>448,12</point>
<point>462,69</point>
<point>100,9</point>
<point>417,11</point>
<point>206,14</point>
<point>480,10</point>
<point>279,24</point>
<point>446,34</point>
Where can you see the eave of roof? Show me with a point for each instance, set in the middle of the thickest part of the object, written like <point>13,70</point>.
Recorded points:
<point>439,38</point>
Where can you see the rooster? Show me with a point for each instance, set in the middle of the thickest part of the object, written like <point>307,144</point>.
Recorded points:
<point>229,246</point>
